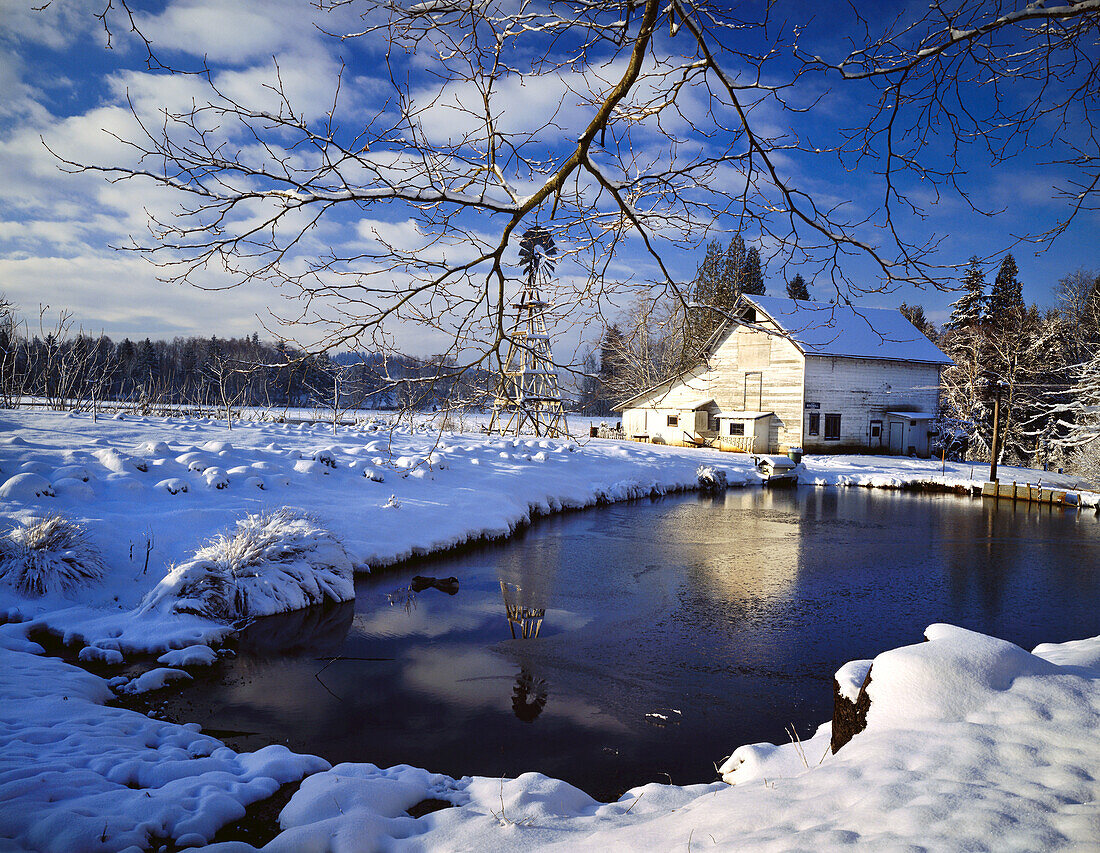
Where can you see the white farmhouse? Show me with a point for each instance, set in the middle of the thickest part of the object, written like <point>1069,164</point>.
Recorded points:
<point>791,373</point>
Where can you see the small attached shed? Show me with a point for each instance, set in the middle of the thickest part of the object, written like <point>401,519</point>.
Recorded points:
<point>693,422</point>
<point>749,432</point>
<point>909,433</point>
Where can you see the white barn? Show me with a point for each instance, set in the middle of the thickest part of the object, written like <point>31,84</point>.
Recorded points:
<point>787,373</point>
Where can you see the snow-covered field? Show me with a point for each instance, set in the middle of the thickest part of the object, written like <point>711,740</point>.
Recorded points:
<point>971,743</point>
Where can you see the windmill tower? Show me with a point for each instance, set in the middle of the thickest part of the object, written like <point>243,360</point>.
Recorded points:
<point>527,393</point>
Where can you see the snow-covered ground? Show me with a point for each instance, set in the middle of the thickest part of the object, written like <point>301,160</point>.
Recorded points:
<point>971,742</point>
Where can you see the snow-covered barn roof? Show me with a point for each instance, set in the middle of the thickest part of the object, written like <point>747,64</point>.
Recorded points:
<point>820,328</point>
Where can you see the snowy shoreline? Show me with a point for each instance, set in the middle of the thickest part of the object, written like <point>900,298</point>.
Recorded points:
<point>78,774</point>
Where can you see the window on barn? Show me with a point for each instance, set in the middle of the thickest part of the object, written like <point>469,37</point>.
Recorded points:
<point>737,428</point>
<point>673,420</point>
<point>832,427</point>
<point>815,424</point>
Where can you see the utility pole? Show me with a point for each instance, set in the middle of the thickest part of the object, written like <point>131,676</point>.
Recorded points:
<point>996,449</point>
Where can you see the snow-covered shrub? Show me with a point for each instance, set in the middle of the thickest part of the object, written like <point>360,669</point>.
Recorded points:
<point>215,478</point>
<point>50,554</point>
<point>325,457</point>
<point>1085,461</point>
<point>173,485</point>
<point>271,563</point>
<point>74,472</point>
<point>120,463</point>
<point>26,487</point>
<point>711,479</point>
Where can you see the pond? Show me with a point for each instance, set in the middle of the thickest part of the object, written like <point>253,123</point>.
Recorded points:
<point>643,642</point>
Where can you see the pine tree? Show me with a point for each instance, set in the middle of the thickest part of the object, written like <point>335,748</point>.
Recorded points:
<point>708,274</point>
<point>146,363</point>
<point>1006,298</point>
<point>915,315</point>
<point>732,273</point>
<point>967,311</point>
<point>701,320</point>
<point>752,277</point>
<point>796,288</point>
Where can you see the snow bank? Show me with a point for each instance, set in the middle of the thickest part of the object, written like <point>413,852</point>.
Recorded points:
<point>271,563</point>
<point>950,676</point>
<point>76,775</point>
<point>1001,754</point>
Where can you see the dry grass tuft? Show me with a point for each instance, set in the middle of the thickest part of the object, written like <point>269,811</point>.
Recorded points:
<point>271,562</point>
<point>51,554</point>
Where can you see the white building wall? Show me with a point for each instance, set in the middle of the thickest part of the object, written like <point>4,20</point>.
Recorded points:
<point>862,390</point>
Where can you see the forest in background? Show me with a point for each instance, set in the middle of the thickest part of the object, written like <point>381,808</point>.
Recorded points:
<point>62,369</point>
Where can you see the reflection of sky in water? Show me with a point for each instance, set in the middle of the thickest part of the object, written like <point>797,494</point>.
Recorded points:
<point>734,610</point>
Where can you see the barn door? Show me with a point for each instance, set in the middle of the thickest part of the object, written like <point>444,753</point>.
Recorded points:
<point>875,434</point>
<point>897,436</point>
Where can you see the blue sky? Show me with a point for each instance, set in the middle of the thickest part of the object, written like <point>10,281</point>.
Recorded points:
<point>66,90</point>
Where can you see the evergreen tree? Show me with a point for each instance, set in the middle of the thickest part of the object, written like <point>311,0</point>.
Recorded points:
<point>1006,298</point>
<point>796,288</point>
<point>967,310</point>
<point>701,320</point>
<point>752,277</point>
<point>707,275</point>
<point>146,367</point>
<point>611,356</point>
<point>732,273</point>
<point>915,315</point>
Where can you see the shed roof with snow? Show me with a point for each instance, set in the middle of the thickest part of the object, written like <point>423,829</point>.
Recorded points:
<point>822,328</point>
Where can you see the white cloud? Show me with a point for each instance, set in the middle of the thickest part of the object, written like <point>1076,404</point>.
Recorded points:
<point>51,25</point>
<point>232,33</point>
<point>119,295</point>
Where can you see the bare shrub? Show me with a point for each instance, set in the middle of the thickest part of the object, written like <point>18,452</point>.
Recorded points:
<point>1085,461</point>
<point>51,554</point>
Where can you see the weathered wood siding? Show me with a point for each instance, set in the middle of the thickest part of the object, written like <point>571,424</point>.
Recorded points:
<point>749,370</point>
<point>861,390</point>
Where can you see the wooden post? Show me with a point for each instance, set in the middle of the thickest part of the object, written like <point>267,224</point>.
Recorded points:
<point>996,435</point>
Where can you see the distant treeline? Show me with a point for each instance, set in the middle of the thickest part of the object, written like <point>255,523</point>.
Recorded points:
<point>65,370</point>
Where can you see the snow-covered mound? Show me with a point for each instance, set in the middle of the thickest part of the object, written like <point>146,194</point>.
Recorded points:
<point>26,487</point>
<point>78,775</point>
<point>50,554</point>
<point>271,563</point>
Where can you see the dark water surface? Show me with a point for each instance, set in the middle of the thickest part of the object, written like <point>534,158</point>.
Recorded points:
<point>674,631</point>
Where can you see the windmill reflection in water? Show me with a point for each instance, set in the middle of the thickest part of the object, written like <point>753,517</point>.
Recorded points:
<point>530,693</point>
